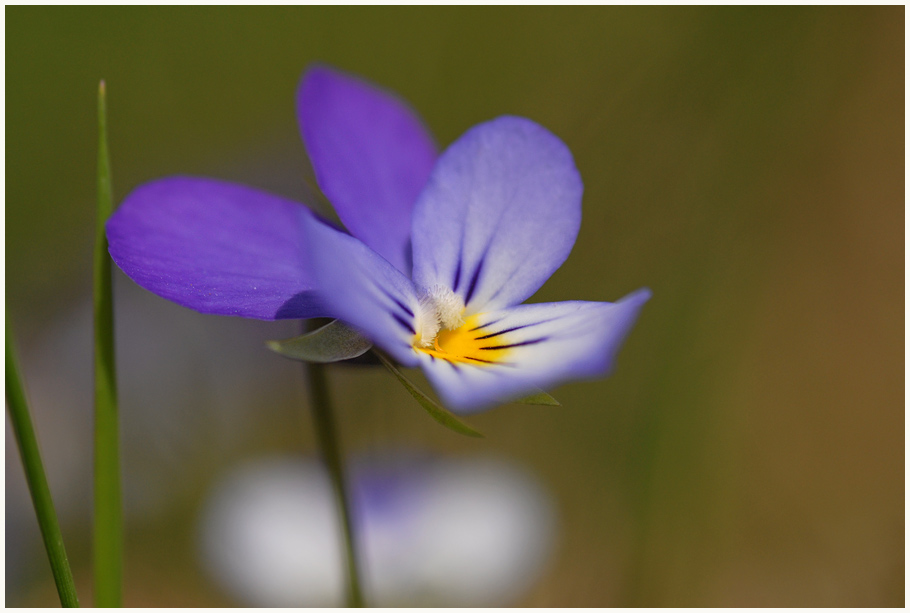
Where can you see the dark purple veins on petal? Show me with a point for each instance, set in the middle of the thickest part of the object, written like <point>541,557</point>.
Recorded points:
<point>473,285</point>
<point>404,323</point>
<point>457,277</point>
<point>495,334</point>
<point>467,357</point>
<point>521,344</point>
<point>482,326</point>
<point>501,332</point>
<point>401,306</point>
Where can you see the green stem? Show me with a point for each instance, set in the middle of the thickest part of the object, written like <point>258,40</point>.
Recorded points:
<point>108,530</point>
<point>34,475</point>
<point>327,437</point>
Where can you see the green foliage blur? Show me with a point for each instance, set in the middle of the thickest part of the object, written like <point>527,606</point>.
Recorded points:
<point>746,164</point>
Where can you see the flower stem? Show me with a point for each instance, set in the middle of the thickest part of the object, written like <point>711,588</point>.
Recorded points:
<point>34,475</point>
<point>327,437</point>
<point>108,528</point>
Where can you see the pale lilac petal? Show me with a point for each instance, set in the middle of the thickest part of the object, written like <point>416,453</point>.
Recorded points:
<point>363,289</point>
<point>371,154</point>
<point>216,247</point>
<point>499,215</point>
<point>548,344</point>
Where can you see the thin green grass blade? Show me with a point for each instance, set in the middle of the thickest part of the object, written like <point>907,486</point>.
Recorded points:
<point>108,529</point>
<point>436,410</point>
<point>34,475</point>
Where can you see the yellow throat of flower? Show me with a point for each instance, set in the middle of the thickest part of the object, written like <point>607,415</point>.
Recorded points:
<point>443,332</point>
<point>470,343</point>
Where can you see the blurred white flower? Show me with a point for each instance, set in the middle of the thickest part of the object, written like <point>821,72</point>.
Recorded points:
<point>437,532</point>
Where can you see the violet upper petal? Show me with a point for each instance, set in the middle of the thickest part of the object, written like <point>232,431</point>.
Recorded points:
<point>499,215</point>
<point>535,346</point>
<point>363,289</point>
<point>371,154</point>
<point>216,247</point>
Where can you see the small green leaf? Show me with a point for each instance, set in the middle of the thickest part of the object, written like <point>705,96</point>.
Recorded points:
<point>432,407</point>
<point>333,342</point>
<point>540,398</point>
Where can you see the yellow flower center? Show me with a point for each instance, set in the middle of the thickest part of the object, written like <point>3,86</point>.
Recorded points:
<point>470,343</point>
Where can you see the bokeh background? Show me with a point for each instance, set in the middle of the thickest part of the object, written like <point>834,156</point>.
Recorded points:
<point>746,164</point>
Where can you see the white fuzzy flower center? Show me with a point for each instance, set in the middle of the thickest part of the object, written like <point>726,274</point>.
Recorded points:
<point>440,309</point>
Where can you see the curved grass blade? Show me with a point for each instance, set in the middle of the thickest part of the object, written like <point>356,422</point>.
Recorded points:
<point>432,407</point>
<point>540,398</point>
<point>108,528</point>
<point>34,475</point>
<point>333,342</point>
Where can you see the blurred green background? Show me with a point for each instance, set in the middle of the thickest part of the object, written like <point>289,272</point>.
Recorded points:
<point>746,164</point>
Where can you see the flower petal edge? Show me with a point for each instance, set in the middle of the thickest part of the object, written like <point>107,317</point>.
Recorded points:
<point>216,247</point>
<point>371,154</point>
<point>499,215</point>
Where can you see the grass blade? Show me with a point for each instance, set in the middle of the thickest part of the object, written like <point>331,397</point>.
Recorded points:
<point>108,529</point>
<point>34,475</point>
<point>436,410</point>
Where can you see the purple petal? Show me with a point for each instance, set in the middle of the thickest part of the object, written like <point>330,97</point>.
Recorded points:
<point>363,289</point>
<point>499,215</point>
<point>544,344</point>
<point>216,247</point>
<point>371,154</point>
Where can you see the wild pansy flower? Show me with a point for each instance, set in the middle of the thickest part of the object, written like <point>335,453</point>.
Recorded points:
<point>440,254</point>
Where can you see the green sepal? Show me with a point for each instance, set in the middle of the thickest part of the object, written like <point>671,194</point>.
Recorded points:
<point>540,398</point>
<point>333,342</point>
<point>436,410</point>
